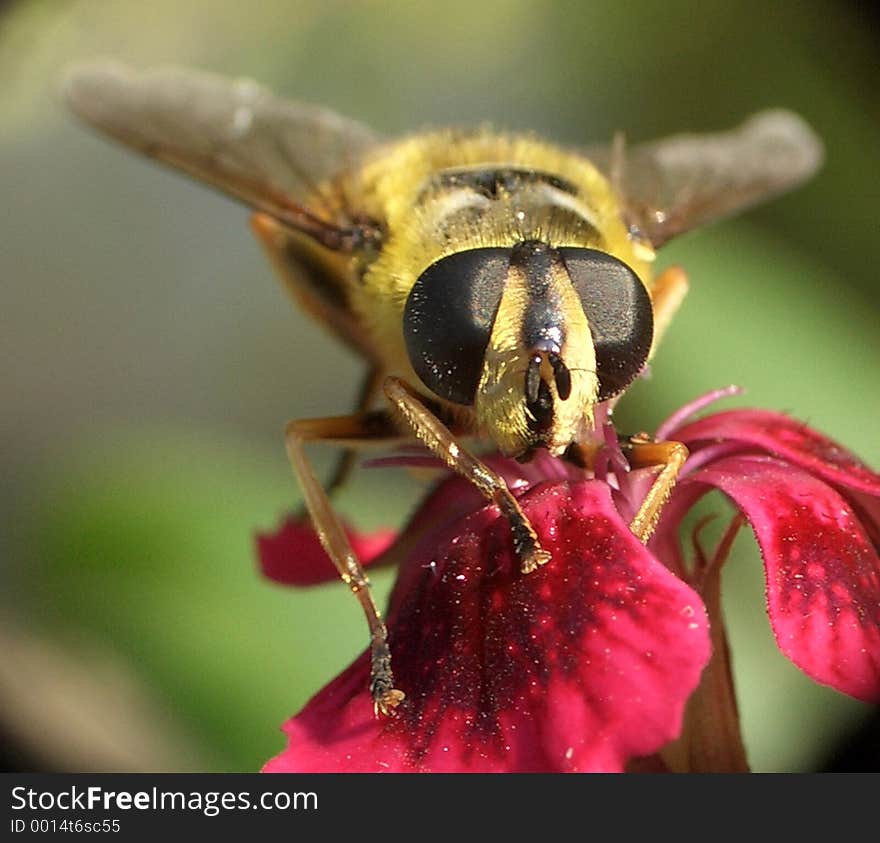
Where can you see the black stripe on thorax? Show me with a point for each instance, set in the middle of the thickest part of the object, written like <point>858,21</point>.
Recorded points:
<point>492,181</point>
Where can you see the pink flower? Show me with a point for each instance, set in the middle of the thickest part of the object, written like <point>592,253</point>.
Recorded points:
<point>588,663</point>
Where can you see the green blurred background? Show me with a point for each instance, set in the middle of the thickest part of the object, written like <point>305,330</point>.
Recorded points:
<point>150,359</point>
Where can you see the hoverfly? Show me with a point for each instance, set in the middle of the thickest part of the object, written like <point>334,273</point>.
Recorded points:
<point>497,285</point>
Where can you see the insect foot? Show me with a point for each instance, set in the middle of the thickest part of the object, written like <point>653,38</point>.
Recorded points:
<point>530,553</point>
<point>386,697</point>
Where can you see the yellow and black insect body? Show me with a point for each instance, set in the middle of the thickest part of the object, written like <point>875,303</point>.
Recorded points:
<point>507,283</point>
<point>498,286</point>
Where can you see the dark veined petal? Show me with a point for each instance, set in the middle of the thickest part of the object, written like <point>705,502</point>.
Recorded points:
<point>822,570</point>
<point>581,665</point>
<point>293,555</point>
<point>784,437</point>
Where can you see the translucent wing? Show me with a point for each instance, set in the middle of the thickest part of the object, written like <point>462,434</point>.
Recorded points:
<point>681,182</point>
<point>231,133</point>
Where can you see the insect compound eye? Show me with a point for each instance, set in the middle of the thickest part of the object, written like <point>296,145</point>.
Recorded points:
<point>619,311</point>
<point>448,320</point>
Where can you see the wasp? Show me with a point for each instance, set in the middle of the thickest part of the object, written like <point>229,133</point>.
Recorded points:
<point>497,285</point>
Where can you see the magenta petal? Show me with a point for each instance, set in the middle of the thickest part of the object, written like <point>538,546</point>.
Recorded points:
<point>581,665</point>
<point>823,573</point>
<point>293,554</point>
<point>784,437</point>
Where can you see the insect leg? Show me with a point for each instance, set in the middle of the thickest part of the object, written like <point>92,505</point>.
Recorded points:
<point>370,387</point>
<point>667,294</point>
<point>362,426</point>
<point>437,437</point>
<point>643,452</point>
